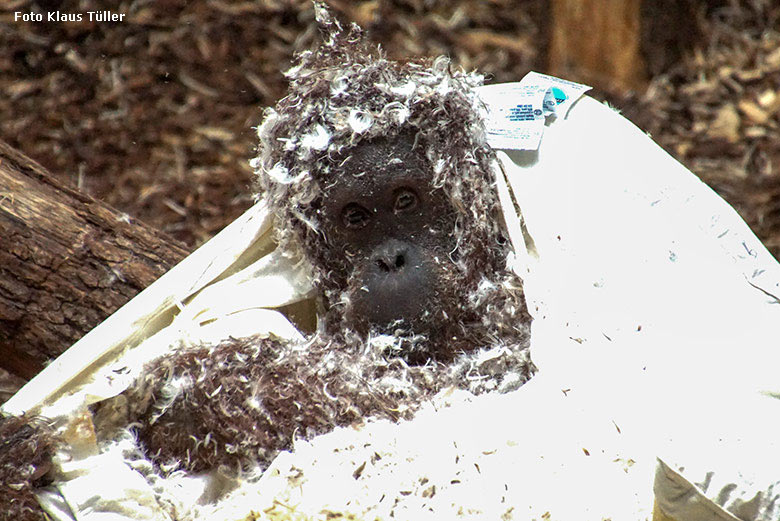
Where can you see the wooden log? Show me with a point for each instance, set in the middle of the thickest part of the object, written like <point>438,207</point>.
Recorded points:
<point>67,261</point>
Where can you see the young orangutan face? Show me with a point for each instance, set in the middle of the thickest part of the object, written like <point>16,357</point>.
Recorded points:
<point>389,234</point>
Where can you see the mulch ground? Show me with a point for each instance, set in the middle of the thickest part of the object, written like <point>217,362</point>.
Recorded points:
<point>155,114</point>
<point>718,111</point>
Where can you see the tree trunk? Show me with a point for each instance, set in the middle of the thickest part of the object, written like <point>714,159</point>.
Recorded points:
<point>618,44</point>
<point>67,262</point>
<point>597,42</point>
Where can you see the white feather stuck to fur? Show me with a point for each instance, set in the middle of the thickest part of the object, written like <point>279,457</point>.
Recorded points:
<point>396,112</point>
<point>360,120</point>
<point>339,85</point>
<point>280,173</point>
<point>317,139</point>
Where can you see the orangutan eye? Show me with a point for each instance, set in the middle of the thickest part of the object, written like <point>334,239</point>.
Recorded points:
<point>405,199</point>
<point>354,216</point>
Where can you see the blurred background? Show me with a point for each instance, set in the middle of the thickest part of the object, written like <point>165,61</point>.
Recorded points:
<point>155,114</point>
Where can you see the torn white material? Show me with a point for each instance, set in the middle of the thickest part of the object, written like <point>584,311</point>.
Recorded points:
<point>273,281</point>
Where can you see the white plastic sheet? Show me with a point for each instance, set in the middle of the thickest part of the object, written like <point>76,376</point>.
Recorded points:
<point>653,299</point>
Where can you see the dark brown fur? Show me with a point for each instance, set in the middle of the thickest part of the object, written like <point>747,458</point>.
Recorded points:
<point>250,398</point>
<point>26,447</point>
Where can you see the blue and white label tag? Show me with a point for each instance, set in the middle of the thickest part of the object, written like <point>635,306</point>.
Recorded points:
<point>516,112</point>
